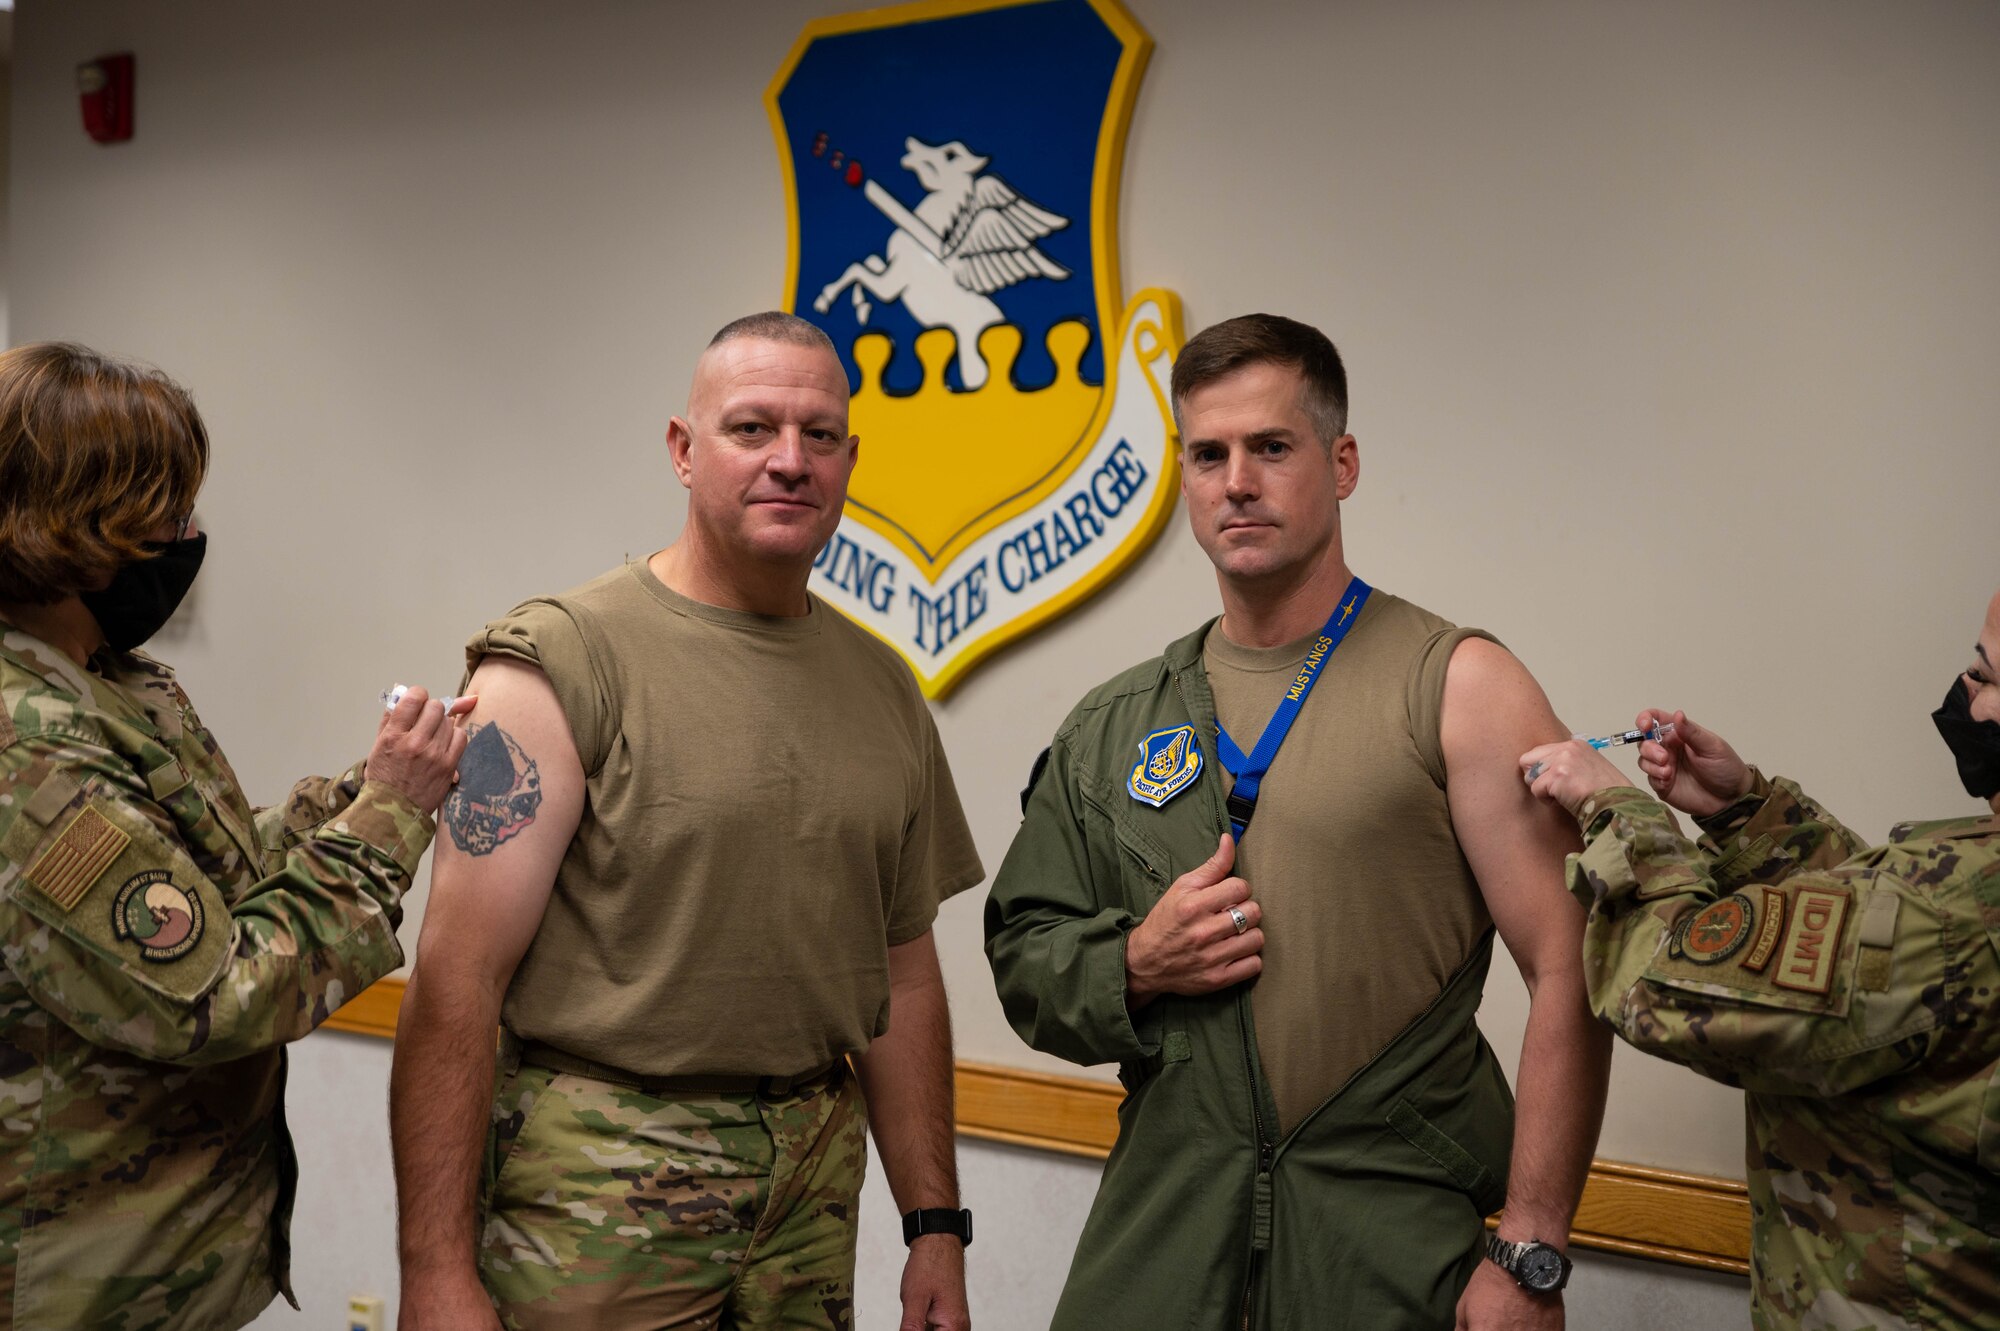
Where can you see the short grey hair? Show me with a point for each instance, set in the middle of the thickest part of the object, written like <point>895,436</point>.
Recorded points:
<point>776,326</point>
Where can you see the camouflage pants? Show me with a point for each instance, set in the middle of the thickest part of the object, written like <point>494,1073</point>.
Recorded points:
<point>607,1208</point>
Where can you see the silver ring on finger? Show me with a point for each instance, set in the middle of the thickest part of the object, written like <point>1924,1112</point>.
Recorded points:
<point>1239,919</point>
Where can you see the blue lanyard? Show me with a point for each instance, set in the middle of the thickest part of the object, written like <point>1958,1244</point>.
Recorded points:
<point>1249,770</point>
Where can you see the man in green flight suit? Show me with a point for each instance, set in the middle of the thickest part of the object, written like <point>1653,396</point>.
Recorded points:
<point>1320,1148</point>
<point>1852,992</point>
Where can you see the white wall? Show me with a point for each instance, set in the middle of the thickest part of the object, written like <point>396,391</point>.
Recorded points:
<point>1668,327</point>
<point>6,142</point>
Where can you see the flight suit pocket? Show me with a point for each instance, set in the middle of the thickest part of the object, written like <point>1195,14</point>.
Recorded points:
<point>1174,1047</point>
<point>1161,1091</point>
<point>1144,867</point>
<point>1469,1176</point>
<point>1144,872</point>
<point>1137,862</point>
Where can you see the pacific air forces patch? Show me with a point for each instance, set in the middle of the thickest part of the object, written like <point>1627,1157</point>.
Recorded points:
<point>163,920</point>
<point>1169,761</point>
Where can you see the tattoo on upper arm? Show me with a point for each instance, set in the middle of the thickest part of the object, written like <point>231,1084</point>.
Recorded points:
<point>498,791</point>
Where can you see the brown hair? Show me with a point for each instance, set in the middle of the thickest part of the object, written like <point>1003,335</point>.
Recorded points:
<point>1259,339</point>
<point>95,453</point>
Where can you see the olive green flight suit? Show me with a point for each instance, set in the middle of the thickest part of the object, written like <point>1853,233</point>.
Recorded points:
<point>1368,1215</point>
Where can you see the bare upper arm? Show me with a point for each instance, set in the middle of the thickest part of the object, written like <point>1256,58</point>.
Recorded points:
<point>504,828</point>
<point>915,963</point>
<point>1493,713</point>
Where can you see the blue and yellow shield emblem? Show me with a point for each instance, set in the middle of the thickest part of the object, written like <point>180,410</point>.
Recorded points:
<point>1169,761</point>
<point>952,172</point>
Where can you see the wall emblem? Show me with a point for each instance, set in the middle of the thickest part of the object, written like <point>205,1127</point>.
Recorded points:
<point>952,174</point>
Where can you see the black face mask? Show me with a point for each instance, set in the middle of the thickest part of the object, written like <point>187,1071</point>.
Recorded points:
<point>142,597</point>
<point>1976,744</point>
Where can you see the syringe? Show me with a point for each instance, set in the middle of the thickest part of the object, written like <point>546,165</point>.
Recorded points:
<point>394,694</point>
<point>1658,732</point>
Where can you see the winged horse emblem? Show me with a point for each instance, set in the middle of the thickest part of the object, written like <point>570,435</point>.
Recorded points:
<point>972,235</point>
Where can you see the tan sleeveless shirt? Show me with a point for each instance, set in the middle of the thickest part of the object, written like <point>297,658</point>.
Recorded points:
<point>1369,905</point>
<point>767,811</point>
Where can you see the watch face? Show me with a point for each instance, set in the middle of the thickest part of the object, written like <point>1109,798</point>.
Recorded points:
<point>1541,1268</point>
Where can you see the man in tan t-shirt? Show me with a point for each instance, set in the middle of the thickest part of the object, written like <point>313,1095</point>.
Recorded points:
<point>1315,1128</point>
<point>701,831</point>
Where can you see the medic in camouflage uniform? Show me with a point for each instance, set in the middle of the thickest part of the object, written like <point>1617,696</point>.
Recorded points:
<point>1853,993</point>
<point>159,940</point>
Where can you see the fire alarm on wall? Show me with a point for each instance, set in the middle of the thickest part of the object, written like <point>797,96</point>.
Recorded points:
<point>105,86</point>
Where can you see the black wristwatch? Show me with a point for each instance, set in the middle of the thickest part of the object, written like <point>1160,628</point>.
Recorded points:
<point>937,1220</point>
<point>1535,1266</point>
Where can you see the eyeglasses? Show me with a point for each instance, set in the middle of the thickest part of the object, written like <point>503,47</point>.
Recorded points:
<point>186,526</point>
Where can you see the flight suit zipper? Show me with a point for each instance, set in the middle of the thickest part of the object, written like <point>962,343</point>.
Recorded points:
<point>1260,1194</point>
<point>1260,1208</point>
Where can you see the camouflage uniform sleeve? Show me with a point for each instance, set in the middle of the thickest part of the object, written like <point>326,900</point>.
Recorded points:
<point>115,929</point>
<point>1774,830</point>
<point>1812,982</point>
<point>312,803</point>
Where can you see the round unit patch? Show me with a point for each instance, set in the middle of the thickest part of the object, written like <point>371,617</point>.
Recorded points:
<point>1718,930</point>
<point>162,919</point>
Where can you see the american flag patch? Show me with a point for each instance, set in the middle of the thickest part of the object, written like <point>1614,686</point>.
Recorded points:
<point>81,854</point>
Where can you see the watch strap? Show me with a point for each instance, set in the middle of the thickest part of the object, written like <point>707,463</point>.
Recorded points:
<point>1507,1256</point>
<point>937,1220</point>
